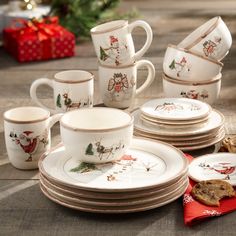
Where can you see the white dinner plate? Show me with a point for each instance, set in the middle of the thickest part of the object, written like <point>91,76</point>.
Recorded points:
<point>116,210</point>
<point>146,164</point>
<point>215,121</point>
<point>169,139</point>
<point>175,109</point>
<point>214,166</point>
<point>115,202</point>
<point>186,142</point>
<point>110,195</point>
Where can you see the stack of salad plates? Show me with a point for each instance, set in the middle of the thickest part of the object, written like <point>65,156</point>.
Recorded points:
<point>185,123</point>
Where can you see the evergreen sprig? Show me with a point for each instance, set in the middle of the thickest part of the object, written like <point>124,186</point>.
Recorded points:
<point>79,16</point>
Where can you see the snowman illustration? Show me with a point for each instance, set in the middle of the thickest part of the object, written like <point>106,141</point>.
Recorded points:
<point>115,51</point>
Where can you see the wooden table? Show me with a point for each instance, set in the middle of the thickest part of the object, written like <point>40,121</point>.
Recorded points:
<point>24,210</point>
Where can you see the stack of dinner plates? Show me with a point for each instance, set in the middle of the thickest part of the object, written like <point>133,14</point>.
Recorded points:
<point>185,123</point>
<point>151,174</point>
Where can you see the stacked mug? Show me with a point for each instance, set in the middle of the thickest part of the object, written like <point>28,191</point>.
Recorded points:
<point>118,61</point>
<point>192,69</point>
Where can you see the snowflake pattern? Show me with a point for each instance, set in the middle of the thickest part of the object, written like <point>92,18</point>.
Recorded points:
<point>187,199</point>
<point>212,212</point>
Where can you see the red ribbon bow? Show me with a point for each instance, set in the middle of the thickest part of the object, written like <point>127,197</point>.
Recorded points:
<point>43,29</point>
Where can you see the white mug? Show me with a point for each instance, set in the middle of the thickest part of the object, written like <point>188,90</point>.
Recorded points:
<point>118,85</point>
<point>114,44</point>
<point>27,135</point>
<point>72,89</point>
<point>96,135</point>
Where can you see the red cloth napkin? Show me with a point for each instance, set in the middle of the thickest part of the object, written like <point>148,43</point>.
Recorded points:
<point>194,211</point>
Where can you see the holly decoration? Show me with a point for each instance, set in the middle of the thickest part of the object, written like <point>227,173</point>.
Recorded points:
<point>79,16</point>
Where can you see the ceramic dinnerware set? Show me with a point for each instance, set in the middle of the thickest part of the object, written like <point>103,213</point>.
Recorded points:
<point>192,69</point>
<point>182,122</point>
<point>99,166</point>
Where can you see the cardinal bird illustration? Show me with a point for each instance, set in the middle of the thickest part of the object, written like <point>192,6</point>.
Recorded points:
<point>26,142</point>
<point>223,168</point>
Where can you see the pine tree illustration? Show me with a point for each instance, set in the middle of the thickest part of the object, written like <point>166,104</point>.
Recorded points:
<point>103,55</point>
<point>89,149</point>
<point>84,167</point>
<point>59,100</point>
<point>172,65</point>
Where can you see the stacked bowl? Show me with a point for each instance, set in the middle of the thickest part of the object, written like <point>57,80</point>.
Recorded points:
<point>192,69</point>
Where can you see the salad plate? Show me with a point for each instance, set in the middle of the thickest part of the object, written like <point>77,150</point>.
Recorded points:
<point>175,109</point>
<point>214,166</point>
<point>146,164</point>
<point>174,122</point>
<point>215,121</point>
<point>148,122</point>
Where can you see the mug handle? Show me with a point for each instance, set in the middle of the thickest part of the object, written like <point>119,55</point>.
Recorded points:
<point>150,77</point>
<point>52,121</point>
<point>33,92</point>
<point>148,30</point>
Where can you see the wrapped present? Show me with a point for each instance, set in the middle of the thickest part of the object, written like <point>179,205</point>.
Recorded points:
<point>38,40</point>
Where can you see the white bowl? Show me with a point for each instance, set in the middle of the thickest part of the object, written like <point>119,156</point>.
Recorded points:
<point>96,135</point>
<point>204,91</point>
<point>212,39</point>
<point>185,65</point>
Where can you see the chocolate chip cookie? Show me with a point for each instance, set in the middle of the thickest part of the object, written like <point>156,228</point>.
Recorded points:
<point>210,192</point>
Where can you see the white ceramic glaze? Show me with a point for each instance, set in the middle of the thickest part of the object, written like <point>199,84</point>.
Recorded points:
<point>96,135</point>
<point>204,91</point>
<point>27,135</point>
<point>146,164</point>
<point>181,64</point>
<point>114,44</point>
<point>118,86</point>
<point>212,39</point>
<point>214,166</point>
<point>72,89</point>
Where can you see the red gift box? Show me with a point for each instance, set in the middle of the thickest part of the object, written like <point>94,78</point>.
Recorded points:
<point>39,40</point>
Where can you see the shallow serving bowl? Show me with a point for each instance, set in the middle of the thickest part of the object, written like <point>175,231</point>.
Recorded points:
<point>207,91</point>
<point>182,64</point>
<point>212,39</point>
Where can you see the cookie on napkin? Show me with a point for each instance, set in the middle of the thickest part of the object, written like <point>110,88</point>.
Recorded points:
<point>210,192</point>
